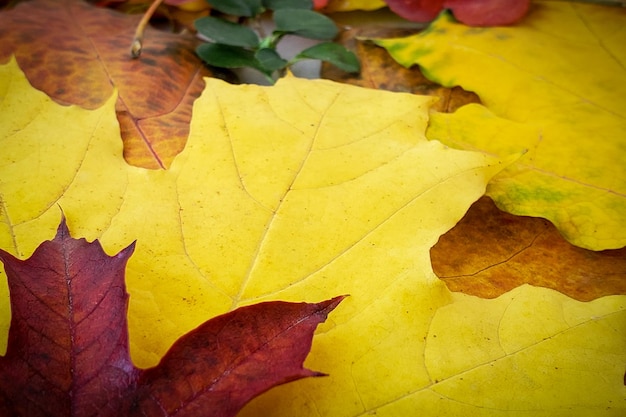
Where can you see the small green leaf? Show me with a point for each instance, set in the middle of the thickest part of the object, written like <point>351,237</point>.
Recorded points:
<point>333,53</point>
<point>288,4</point>
<point>225,32</point>
<point>305,23</point>
<point>227,56</point>
<point>247,8</point>
<point>270,60</point>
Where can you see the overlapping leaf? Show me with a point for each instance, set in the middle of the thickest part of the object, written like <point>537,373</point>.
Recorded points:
<point>78,54</point>
<point>303,192</point>
<point>554,85</point>
<point>514,250</point>
<point>68,344</point>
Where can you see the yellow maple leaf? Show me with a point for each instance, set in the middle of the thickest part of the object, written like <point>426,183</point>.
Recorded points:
<point>300,191</point>
<point>554,85</point>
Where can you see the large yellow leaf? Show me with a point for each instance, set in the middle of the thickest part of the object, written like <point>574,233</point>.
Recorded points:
<point>554,85</point>
<point>300,191</point>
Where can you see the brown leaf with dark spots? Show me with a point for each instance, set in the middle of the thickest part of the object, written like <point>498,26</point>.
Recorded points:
<point>77,53</point>
<point>68,351</point>
<point>490,252</point>
<point>380,71</point>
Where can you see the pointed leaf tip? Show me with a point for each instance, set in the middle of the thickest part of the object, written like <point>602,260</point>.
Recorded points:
<point>232,358</point>
<point>69,328</point>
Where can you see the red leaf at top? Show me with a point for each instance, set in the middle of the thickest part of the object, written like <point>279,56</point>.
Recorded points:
<point>469,12</point>
<point>488,12</point>
<point>68,353</point>
<point>416,10</point>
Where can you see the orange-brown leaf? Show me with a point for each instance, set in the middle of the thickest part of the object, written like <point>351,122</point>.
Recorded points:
<point>490,252</point>
<point>77,54</point>
<point>380,71</point>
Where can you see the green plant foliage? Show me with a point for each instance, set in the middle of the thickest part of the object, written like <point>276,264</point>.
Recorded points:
<point>233,45</point>
<point>225,32</point>
<point>333,53</point>
<point>288,4</point>
<point>305,23</point>
<point>246,8</point>
<point>227,56</point>
<point>270,60</point>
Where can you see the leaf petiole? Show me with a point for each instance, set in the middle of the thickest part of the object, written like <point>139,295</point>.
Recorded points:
<point>136,45</point>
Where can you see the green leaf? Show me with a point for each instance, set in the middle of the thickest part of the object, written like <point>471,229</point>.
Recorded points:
<point>227,56</point>
<point>270,60</point>
<point>225,32</point>
<point>247,8</point>
<point>305,23</point>
<point>333,53</point>
<point>288,4</point>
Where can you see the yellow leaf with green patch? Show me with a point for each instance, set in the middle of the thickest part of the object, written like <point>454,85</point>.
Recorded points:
<point>553,85</point>
<point>301,191</point>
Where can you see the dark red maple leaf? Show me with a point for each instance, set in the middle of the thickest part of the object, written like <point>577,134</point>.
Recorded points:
<point>68,352</point>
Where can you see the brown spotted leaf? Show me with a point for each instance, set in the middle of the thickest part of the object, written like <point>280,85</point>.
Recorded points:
<point>380,71</point>
<point>78,53</point>
<point>68,351</point>
<point>490,252</point>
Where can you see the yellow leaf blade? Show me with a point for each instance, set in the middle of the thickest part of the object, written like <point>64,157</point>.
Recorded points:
<point>554,85</point>
<point>34,185</point>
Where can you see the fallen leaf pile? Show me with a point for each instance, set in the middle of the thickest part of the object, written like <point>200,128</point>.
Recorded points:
<point>297,196</point>
<point>68,344</point>
<point>553,85</point>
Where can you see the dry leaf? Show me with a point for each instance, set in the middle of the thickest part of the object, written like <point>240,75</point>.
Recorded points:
<point>78,54</point>
<point>490,252</point>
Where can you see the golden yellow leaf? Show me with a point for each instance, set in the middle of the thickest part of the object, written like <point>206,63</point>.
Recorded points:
<point>347,5</point>
<point>554,85</point>
<point>300,191</point>
<point>530,352</point>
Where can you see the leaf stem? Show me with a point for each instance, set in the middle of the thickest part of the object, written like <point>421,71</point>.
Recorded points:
<point>135,47</point>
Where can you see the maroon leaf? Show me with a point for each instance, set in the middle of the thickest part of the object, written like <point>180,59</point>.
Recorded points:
<point>68,352</point>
